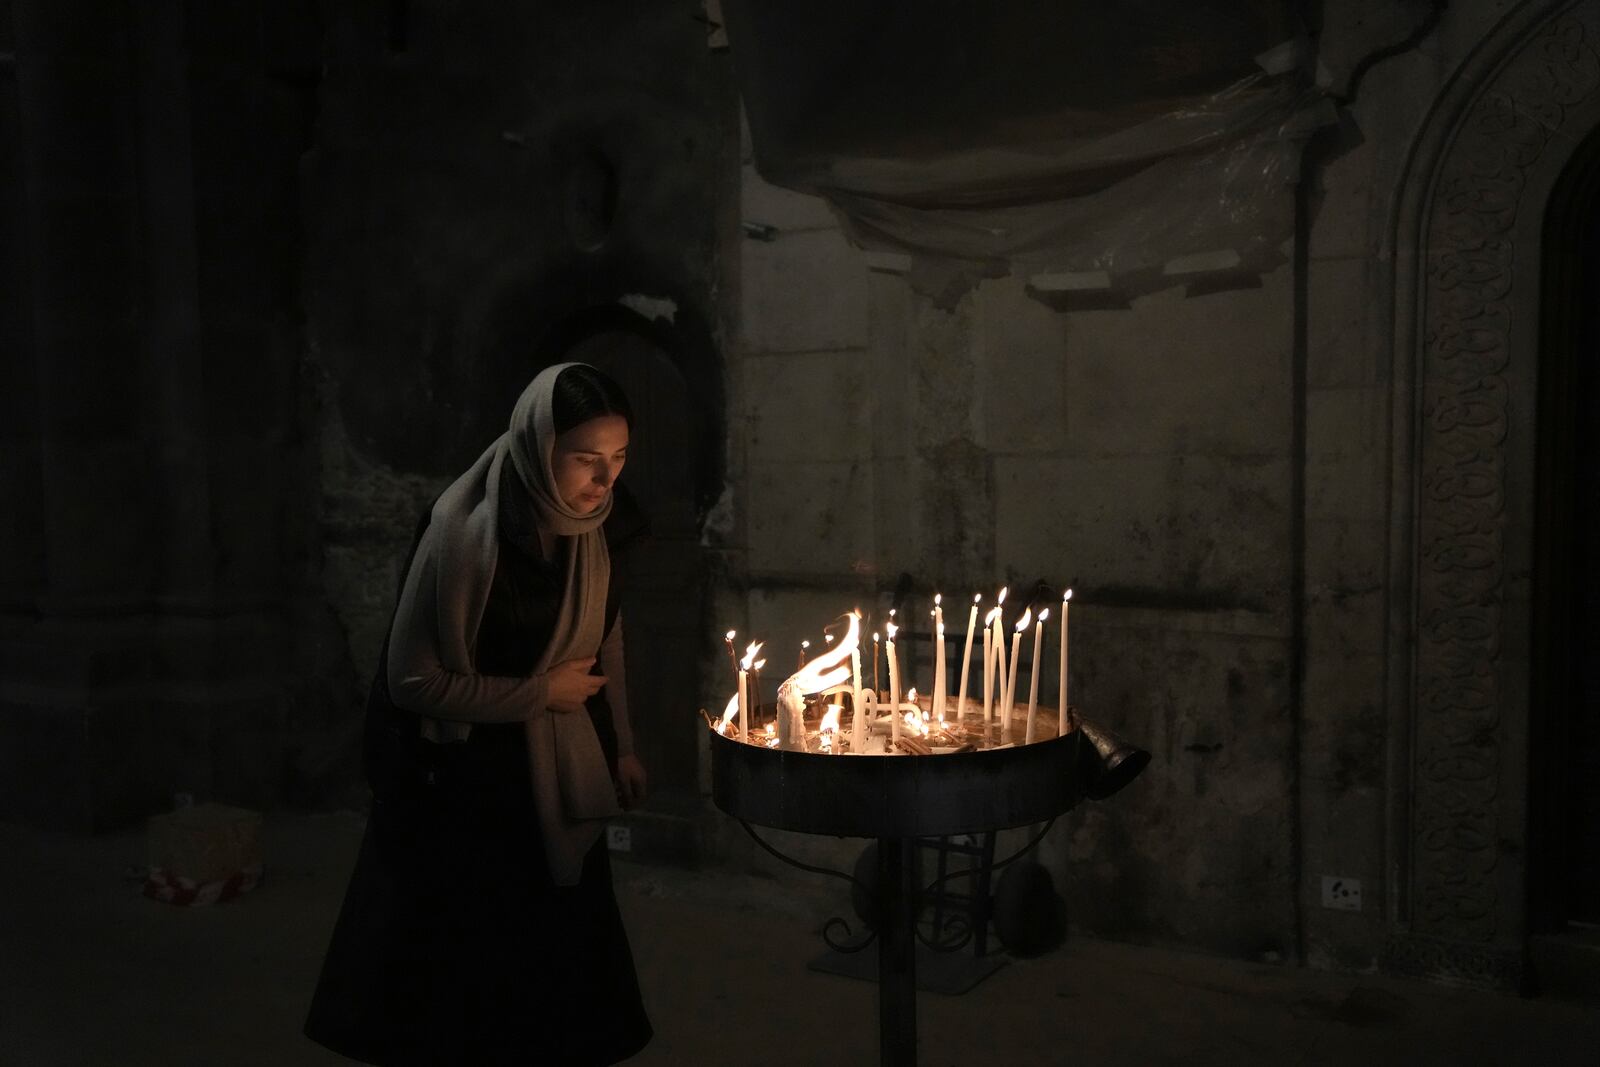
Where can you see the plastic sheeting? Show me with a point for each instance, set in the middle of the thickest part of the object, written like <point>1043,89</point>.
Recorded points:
<point>1113,148</point>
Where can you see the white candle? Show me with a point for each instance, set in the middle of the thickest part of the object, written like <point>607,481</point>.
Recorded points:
<point>874,665</point>
<point>966,658</point>
<point>744,710</point>
<point>858,725</point>
<point>746,696</point>
<point>938,658</point>
<point>1011,680</point>
<point>998,645</point>
<point>1061,727</point>
<point>889,631</point>
<point>988,668</point>
<point>1033,676</point>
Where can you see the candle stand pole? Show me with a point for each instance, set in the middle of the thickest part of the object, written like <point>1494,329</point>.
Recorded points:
<point>897,954</point>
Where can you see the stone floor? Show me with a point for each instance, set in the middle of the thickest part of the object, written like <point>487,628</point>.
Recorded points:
<point>92,973</point>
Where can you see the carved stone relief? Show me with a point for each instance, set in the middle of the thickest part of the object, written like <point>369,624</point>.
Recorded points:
<point>1468,298</point>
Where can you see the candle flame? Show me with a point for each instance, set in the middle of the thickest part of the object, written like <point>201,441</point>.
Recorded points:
<point>1001,599</point>
<point>891,629</point>
<point>1027,617</point>
<point>728,636</point>
<point>1043,615</point>
<point>994,613</point>
<point>729,712</point>
<point>758,664</point>
<point>913,723</point>
<point>805,644</point>
<point>828,638</point>
<point>938,598</point>
<point>749,655</point>
<point>827,670</point>
<point>977,598</point>
<point>830,719</point>
<point>911,695</point>
<point>1066,596</point>
<point>874,638</point>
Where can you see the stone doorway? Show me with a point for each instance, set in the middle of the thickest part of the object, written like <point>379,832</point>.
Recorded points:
<point>1478,785</point>
<point>1564,772</point>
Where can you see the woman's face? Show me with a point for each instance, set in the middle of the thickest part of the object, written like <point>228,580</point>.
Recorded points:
<point>587,459</point>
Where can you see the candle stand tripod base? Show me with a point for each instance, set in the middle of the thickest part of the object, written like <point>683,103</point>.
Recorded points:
<point>953,919</point>
<point>898,799</point>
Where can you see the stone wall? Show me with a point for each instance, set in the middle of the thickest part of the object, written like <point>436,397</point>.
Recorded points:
<point>1213,471</point>
<point>1140,456</point>
<point>158,634</point>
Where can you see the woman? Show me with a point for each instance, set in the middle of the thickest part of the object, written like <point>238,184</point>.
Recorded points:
<point>480,924</point>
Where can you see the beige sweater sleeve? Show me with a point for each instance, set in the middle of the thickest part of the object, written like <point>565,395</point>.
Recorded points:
<point>614,666</point>
<point>419,682</point>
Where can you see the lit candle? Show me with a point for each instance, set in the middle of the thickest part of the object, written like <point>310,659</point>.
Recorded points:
<point>988,667</point>
<point>1033,676</point>
<point>858,721</point>
<point>755,703</point>
<point>938,657</point>
<point>829,728</point>
<point>889,625</point>
<point>745,696</point>
<point>1011,681</point>
<point>803,646</point>
<point>889,630</point>
<point>1061,727</point>
<point>733,657</point>
<point>998,645</point>
<point>875,689</point>
<point>966,657</point>
<point>744,709</point>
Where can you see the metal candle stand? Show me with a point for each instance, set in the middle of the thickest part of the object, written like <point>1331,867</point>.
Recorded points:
<point>899,799</point>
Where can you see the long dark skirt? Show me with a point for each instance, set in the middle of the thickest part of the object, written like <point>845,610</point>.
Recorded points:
<point>454,946</point>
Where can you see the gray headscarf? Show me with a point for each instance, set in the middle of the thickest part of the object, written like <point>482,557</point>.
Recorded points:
<point>572,785</point>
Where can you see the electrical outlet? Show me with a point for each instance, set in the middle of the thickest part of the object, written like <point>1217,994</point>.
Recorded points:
<point>619,838</point>
<point>1341,894</point>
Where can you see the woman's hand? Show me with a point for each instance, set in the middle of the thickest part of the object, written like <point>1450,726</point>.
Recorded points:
<point>570,684</point>
<point>631,781</point>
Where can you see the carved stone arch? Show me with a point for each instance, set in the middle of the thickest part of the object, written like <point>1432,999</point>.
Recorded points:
<point>1467,271</point>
